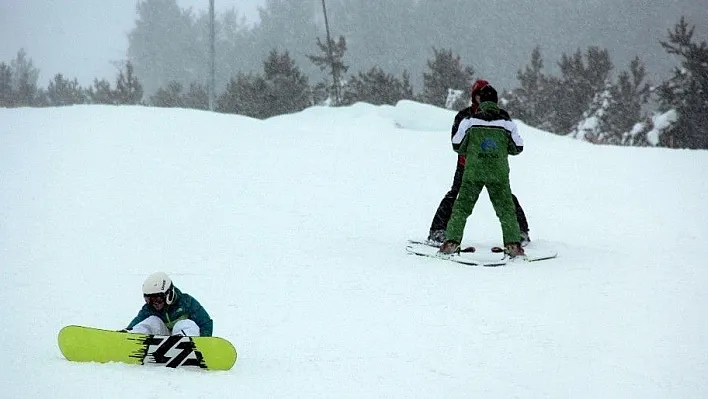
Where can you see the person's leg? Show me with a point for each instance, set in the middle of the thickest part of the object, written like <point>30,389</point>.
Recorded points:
<point>501,198</point>
<point>520,215</point>
<point>462,209</point>
<point>444,211</point>
<point>523,223</point>
<point>186,327</point>
<point>153,325</point>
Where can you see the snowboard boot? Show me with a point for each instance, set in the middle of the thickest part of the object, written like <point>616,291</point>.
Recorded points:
<point>514,249</point>
<point>436,237</point>
<point>525,239</point>
<point>449,248</point>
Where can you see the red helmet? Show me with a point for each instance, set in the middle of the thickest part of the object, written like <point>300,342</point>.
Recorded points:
<point>478,85</point>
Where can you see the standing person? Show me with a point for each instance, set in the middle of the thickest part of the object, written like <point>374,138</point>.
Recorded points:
<point>487,138</point>
<point>436,235</point>
<point>169,311</point>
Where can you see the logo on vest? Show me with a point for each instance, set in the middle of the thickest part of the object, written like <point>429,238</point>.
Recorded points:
<point>488,145</point>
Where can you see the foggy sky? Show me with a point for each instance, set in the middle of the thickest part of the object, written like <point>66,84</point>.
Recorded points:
<point>85,38</point>
<point>81,38</point>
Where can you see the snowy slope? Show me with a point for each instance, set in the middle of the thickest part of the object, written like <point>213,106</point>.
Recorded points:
<point>291,233</point>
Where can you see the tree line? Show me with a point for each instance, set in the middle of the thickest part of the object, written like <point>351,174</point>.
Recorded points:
<point>586,103</point>
<point>18,87</point>
<point>583,101</point>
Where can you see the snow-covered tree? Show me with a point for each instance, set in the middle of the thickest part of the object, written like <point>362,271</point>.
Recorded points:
<point>446,72</point>
<point>686,91</point>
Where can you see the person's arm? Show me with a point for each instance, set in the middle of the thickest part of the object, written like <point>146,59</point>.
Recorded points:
<point>461,160</point>
<point>142,315</point>
<point>459,140</point>
<point>199,315</point>
<point>516,142</point>
<point>458,118</point>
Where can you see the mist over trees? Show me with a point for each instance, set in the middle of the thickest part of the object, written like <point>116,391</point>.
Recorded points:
<point>398,35</point>
<point>385,52</point>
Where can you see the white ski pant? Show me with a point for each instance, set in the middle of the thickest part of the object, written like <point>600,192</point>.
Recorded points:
<point>153,325</point>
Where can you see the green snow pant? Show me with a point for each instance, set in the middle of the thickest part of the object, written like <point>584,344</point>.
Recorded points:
<point>499,195</point>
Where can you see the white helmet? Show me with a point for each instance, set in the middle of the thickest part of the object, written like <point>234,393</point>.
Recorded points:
<point>159,283</point>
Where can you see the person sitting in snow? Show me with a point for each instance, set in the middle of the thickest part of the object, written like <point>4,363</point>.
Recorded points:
<point>169,311</point>
<point>436,234</point>
<point>487,138</point>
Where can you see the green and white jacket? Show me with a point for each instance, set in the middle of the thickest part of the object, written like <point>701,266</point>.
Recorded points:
<point>487,138</point>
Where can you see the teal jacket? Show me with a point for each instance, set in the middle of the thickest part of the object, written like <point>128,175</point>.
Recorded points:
<point>184,307</point>
<point>487,138</point>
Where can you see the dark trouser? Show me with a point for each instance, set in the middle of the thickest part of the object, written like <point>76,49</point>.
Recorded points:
<point>444,212</point>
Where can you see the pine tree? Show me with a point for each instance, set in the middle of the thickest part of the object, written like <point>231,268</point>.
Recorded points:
<point>446,72</point>
<point>164,45</point>
<point>529,102</point>
<point>245,95</point>
<point>624,109</point>
<point>288,88</point>
<point>171,97</point>
<point>101,93</point>
<point>128,91</point>
<point>377,87</point>
<point>335,65</point>
<point>589,127</point>
<point>24,79</point>
<point>687,90</point>
<point>26,93</point>
<point>571,95</point>
<point>197,97</point>
<point>6,93</point>
<point>64,92</point>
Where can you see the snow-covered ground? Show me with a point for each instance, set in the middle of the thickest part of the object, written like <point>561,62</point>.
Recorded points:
<point>291,233</point>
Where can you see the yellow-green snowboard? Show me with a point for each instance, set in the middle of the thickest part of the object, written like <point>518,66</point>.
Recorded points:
<point>86,344</point>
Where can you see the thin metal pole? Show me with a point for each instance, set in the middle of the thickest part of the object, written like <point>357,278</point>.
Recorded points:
<point>212,67</point>
<point>335,83</point>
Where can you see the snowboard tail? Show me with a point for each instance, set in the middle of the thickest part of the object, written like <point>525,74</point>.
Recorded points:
<point>86,344</point>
